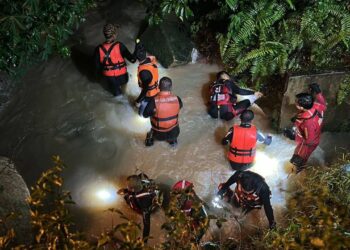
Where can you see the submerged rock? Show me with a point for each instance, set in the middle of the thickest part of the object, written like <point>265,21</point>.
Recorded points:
<point>13,195</point>
<point>170,42</point>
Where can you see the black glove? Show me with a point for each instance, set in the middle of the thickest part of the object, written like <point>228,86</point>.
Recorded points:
<point>224,141</point>
<point>222,191</point>
<point>272,225</point>
<point>314,88</point>
<point>289,133</point>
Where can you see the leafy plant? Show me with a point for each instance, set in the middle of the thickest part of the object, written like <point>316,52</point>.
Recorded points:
<point>344,91</point>
<point>318,212</point>
<point>33,29</point>
<point>50,216</point>
<point>266,37</point>
<point>183,229</point>
<point>122,236</point>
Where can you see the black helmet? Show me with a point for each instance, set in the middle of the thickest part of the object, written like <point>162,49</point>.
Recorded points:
<point>247,116</point>
<point>134,183</point>
<point>304,100</point>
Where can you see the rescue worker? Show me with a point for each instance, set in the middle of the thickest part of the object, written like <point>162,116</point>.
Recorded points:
<point>223,98</point>
<point>251,192</point>
<point>147,74</point>
<point>243,139</point>
<point>109,60</point>
<point>183,197</point>
<point>307,125</point>
<point>143,196</point>
<point>164,111</point>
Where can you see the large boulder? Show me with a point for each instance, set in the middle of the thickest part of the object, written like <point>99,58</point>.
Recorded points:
<point>170,42</point>
<point>13,195</point>
<point>337,117</point>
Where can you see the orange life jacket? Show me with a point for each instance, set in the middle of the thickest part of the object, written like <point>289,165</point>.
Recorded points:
<point>247,199</point>
<point>167,112</point>
<point>112,60</point>
<point>243,144</point>
<point>152,88</point>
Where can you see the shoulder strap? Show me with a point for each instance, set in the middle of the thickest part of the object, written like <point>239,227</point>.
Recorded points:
<point>107,56</point>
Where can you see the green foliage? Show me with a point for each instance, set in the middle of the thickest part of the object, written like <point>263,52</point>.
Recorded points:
<point>318,212</point>
<point>344,91</point>
<point>266,37</point>
<point>34,29</point>
<point>184,230</point>
<point>158,9</point>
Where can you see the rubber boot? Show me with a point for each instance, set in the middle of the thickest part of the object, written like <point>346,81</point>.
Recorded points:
<point>149,139</point>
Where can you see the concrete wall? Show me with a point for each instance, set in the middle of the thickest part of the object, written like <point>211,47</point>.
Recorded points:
<point>337,118</point>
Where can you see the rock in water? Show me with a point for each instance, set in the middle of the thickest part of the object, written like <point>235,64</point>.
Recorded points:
<point>170,42</point>
<point>13,195</point>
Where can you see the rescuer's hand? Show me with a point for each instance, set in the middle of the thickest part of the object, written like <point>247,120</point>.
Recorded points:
<point>314,88</point>
<point>258,94</point>
<point>272,225</point>
<point>268,140</point>
<point>224,141</point>
<point>289,133</point>
<point>222,190</point>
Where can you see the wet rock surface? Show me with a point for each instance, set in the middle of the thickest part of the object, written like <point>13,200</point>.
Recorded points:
<point>170,42</point>
<point>13,195</point>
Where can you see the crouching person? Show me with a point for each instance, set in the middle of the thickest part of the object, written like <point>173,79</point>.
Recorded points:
<point>143,196</point>
<point>243,139</point>
<point>163,110</point>
<point>251,192</point>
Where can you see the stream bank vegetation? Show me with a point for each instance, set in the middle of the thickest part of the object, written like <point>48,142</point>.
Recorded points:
<point>257,39</point>
<point>317,217</point>
<point>32,30</point>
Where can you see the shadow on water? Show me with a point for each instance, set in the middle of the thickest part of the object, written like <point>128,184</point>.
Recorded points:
<point>83,58</point>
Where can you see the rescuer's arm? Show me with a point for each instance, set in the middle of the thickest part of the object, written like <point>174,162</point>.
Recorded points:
<point>264,195</point>
<point>141,96</point>
<point>315,90</point>
<point>228,137</point>
<point>98,66</point>
<point>263,139</point>
<point>233,179</point>
<point>126,53</point>
<point>150,109</point>
<point>180,102</point>
<point>240,91</point>
<point>309,132</point>
<point>145,77</point>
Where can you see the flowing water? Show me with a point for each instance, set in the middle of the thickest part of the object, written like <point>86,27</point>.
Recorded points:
<point>62,109</point>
